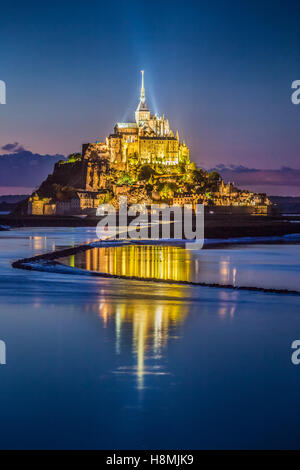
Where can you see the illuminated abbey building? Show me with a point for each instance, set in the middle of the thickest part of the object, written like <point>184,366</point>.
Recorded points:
<point>143,160</point>
<point>149,139</point>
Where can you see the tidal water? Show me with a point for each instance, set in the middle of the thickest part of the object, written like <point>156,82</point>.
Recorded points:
<point>116,364</point>
<point>268,267</point>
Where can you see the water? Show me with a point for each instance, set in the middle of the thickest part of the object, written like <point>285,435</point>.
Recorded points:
<point>112,363</point>
<point>272,266</point>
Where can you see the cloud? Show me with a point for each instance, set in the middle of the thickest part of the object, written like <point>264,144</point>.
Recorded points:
<point>243,175</point>
<point>284,180</point>
<point>20,167</point>
<point>234,168</point>
<point>16,147</point>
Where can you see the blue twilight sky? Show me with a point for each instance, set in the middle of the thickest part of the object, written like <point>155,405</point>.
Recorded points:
<point>220,71</point>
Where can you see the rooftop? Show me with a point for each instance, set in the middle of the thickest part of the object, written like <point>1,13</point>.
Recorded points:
<point>124,125</point>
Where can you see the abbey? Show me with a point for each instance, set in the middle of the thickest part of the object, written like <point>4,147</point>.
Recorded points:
<point>146,162</point>
<point>149,139</point>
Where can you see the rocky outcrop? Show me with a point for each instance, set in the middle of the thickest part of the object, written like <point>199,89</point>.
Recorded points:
<point>83,174</point>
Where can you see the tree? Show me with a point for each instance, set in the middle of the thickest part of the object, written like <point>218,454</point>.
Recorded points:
<point>213,181</point>
<point>167,191</point>
<point>198,176</point>
<point>106,198</point>
<point>125,179</point>
<point>145,173</point>
<point>193,166</point>
<point>133,159</point>
<point>73,157</point>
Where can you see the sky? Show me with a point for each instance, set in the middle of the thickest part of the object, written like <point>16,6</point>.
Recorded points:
<point>220,71</point>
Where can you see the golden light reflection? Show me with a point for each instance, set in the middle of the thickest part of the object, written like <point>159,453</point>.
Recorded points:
<point>38,243</point>
<point>157,262</point>
<point>224,271</point>
<point>151,261</point>
<point>147,326</point>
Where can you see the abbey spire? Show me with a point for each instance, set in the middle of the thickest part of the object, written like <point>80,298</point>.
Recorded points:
<point>142,97</point>
<point>142,113</point>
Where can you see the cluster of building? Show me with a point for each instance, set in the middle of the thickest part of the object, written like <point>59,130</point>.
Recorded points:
<point>147,140</point>
<point>227,195</point>
<point>81,202</point>
<point>87,202</point>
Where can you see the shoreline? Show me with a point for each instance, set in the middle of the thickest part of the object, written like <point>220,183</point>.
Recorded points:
<point>220,226</point>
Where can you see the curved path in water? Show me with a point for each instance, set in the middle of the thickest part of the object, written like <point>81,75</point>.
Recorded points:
<point>48,262</point>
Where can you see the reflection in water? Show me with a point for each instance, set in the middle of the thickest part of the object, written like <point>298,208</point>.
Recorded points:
<point>154,261</point>
<point>227,271</point>
<point>277,267</point>
<point>38,243</point>
<point>147,328</point>
<point>141,330</point>
<point>216,391</point>
<point>159,262</point>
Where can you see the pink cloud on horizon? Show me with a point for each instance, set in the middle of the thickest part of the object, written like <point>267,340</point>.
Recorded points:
<point>14,190</point>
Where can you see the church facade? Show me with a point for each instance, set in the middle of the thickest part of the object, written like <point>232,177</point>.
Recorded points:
<point>149,139</point>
